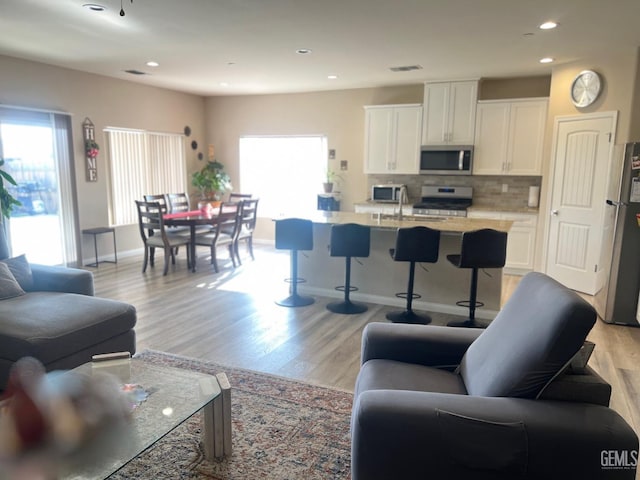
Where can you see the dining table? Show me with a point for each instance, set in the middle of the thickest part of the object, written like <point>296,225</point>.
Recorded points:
<point>191,219</point>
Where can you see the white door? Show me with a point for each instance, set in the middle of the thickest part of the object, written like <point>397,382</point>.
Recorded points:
<point>582,160</point>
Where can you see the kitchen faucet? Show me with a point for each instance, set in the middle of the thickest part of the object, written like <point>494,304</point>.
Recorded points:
<point>402,197</point>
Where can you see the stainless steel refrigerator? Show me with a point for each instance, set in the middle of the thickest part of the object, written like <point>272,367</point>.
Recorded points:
<point>617,301</point>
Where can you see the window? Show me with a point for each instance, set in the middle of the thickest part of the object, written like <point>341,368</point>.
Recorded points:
<point>36,147</point>
<point>286,173</point>
<point>142,163</point>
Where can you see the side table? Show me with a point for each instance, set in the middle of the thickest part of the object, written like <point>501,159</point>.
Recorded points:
<point>95,232</point>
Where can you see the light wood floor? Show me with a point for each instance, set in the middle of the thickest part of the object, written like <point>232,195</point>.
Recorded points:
<point>231,318</point>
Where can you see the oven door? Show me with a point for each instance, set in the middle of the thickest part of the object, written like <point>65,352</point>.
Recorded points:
<point>446,160</point>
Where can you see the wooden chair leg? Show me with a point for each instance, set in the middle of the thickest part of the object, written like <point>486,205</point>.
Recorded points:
<point>152,255</point>
<point>250,246</point>
<point>236,252</point>
<point>232,255</point>
<point>146,259</point>
<point>167,255</point>
<point>214,260</point>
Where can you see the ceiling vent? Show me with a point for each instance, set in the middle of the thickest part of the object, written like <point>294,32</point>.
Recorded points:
<point>406,68</point>
<point>136,72</point>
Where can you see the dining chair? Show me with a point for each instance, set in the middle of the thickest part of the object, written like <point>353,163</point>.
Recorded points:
<point>223,232</point>
<point>154,235</point>
<point>178,202</point>
<point>247,224</point>
<point>237,197</point>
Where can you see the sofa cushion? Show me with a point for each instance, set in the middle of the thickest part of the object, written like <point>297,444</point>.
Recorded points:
<point>9,286</point>
<point>379,374</point>
<point>20,268</point>
<point>538,331</point>
<point>51,325</point>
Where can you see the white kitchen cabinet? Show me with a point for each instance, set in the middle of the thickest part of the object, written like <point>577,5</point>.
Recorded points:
<point>392,139</point>
<point>449,113</point>
<point>521,239</point>
<point>509,137</point>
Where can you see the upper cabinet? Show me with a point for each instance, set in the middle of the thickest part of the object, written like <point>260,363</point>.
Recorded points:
<point>509,137</point>
<point>449,113</point>
<point>392,139</point>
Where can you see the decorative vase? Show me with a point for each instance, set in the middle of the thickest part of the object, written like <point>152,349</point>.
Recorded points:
<point>328,187</point>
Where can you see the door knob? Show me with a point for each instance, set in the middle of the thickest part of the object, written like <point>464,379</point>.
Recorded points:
<point>554,213</point>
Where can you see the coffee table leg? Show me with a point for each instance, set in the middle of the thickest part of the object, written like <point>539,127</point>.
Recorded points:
<point>212,427</point>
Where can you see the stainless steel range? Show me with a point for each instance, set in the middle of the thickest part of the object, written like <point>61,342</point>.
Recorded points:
<point>444,201</point>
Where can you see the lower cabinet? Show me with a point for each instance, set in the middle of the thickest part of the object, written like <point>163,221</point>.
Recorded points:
<point>521,240</point>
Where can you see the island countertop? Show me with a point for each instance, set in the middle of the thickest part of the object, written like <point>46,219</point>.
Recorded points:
<point>444,224</point>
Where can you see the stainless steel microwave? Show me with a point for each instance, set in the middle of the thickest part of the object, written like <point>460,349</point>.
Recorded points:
<point>446,160</point>
<point>389,192</point>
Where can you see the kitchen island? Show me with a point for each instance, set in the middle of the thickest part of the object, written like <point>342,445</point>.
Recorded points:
<point>379,278</point>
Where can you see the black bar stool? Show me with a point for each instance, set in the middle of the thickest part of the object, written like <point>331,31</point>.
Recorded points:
<point>349,240</point>
<point>294,234</point>
<point>484,248</point>
<point>416,244</point>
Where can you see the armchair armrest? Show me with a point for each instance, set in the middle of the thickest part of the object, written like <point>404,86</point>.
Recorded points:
<point>421,344</point>
<point>417,435</point>
<point>61,279</point>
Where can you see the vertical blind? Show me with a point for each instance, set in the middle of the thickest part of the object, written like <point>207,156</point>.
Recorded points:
<point>142,163</point>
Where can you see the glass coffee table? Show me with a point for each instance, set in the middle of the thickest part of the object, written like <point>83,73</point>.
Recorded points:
<point>174,395</point>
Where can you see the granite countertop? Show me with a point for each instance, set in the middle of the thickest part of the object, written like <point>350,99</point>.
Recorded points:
<point>444,224</point>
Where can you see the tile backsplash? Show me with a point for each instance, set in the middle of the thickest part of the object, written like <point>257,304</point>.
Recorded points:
<point>487,190</point>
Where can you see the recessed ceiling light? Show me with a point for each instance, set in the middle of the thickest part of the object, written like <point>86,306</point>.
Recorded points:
<point>95,7</point>
<point>548,25</point>
<point>153,64</point>
<point>224,84</point>
<point>546,60</point>
<point>303,51</point>
<point>332,77</point>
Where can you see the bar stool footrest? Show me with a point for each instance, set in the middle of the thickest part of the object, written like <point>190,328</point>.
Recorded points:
<point>295,280</point>
<point>467,303</point>
<point>342,288</point>
<point>405,295</point>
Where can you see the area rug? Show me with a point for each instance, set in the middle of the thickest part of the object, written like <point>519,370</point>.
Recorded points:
<point>282,429</point>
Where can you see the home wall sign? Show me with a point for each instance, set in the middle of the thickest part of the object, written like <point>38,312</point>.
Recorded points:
<point>91,150</point>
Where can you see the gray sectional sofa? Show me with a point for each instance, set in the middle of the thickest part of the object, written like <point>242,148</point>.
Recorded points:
<point>58,320</point>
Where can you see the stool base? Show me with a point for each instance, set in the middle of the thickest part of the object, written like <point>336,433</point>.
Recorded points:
<point>295,300</point>
<point>465,323</point>
<point>346,307</point>
<point>408,316</point>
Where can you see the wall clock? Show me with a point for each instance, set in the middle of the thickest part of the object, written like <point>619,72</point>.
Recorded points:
<point>585,88</point>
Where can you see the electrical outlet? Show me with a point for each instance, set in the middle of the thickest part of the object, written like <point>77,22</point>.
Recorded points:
<point>343,165</point>
<point>505,188</point>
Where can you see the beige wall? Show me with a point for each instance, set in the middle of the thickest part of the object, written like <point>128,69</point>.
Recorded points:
<point>619,72</point>
<point>337,114</point>
<point>107,102</point>
<point>517,87</point>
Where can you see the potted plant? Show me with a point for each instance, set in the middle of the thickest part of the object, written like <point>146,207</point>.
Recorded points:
<point>211,181</point>
<point>328,184</point>
<point>7,201</point>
